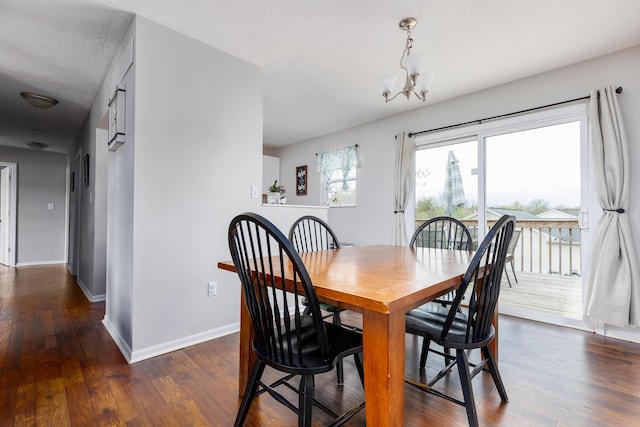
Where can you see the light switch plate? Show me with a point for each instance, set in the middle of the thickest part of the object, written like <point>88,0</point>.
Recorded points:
<point>254,192</point>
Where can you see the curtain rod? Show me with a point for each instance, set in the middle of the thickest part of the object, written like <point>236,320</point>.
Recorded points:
<point>355,145</point>
<point>618,90</point>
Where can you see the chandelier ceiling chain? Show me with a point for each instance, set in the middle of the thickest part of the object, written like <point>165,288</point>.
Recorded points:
<point>413,65</point>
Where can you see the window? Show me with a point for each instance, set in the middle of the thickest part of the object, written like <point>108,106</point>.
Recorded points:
<point>337,169</point>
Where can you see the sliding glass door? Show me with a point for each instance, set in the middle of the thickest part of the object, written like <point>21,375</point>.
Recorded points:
<point>535,170</point>
<point>534,174</point>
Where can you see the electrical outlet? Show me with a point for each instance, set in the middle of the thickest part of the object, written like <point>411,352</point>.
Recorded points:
<point>212,289</point>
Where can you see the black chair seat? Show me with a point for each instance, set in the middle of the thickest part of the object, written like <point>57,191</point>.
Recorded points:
<point>343,342</point>
<point>419,322</point>
<point>430,318</point>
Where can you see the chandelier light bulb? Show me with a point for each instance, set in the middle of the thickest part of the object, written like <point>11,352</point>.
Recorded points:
<point>387,82</point>
<point>415,64</point>
<point>425,82</point>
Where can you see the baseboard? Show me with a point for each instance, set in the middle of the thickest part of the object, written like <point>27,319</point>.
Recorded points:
<point>117,338</point>
<point>31,263</point>
<point>157,350</point>
<point>598,328</point>
<point>87,293</point>
<point>620,333</point>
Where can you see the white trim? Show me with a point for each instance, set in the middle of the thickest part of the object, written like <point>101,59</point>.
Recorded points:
<point>539,316</point>
<point>631,335</point>
<point>156,350</point>
<point>30,263</point>
<point>627,334</point>
<point>117,338</point>
<point>516,123</point>
<point>87,293</point>
<point>13,238</point>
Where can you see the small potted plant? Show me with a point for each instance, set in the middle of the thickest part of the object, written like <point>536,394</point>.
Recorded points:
<point>276,193</point>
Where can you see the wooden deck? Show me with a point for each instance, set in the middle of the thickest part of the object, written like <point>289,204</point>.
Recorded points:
<point>547,293</point>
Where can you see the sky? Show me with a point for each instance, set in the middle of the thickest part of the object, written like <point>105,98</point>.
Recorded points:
<point>541,163</point>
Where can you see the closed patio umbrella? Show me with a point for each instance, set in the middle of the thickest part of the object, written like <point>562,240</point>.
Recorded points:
<point>453,194</point>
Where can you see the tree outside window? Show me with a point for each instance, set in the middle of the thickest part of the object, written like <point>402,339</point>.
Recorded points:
<point>337,169</point>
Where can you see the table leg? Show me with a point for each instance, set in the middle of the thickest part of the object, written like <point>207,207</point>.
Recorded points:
<point>383,343</point>
<point>247,356</point>
<point>493,345</point>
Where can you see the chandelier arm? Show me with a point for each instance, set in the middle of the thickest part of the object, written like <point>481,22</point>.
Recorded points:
<point>393,97</point>
<point>422,96</point>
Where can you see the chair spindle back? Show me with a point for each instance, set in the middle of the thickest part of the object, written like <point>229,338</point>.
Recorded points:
<point>282,331</point>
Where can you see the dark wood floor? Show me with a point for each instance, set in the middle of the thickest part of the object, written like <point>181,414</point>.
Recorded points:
<point>58,366</point>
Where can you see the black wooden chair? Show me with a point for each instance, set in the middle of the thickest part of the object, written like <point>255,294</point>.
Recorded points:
<point>311,234</point>
<point>288,337</point>
<point>441,232</point>
<point>472,328</point>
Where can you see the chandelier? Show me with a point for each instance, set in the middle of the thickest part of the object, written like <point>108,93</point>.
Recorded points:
<point>412,64</point>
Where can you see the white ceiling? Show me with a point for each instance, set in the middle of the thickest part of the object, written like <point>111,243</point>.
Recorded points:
<point>320,59</point>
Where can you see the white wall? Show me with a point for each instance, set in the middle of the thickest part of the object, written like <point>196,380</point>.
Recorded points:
<point>119,237</point>
<point>42,179</point>
<point>371,220</point>
<point>197,152</point>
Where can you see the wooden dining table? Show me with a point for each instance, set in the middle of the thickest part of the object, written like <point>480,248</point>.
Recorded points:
<point>383,283</point>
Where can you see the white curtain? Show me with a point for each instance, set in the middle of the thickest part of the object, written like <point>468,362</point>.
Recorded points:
<point>613,289</point>
<point>403,186</point>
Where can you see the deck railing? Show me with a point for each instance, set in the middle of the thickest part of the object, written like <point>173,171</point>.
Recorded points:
<point>545,246</point>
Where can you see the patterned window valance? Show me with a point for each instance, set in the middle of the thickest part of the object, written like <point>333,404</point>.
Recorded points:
<point>342,159</point>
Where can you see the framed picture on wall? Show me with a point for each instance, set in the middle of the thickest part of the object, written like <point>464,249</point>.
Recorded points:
<point>116,119</point>
<point>301,180</point>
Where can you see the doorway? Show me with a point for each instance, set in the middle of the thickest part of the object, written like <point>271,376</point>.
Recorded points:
<point>8,208</point>
<point>534,167</point>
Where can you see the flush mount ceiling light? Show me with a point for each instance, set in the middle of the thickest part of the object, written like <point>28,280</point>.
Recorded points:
<point>41,102</point>
<point>34,145</point>
<point>412,64</point>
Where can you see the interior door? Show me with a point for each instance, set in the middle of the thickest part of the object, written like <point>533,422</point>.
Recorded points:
<point>5,212</point>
